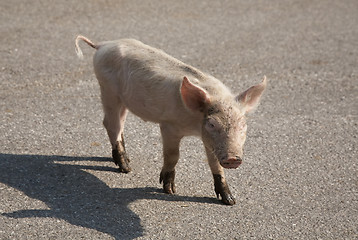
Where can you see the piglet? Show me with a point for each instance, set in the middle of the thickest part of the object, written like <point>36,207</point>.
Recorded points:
<point>182,99</point>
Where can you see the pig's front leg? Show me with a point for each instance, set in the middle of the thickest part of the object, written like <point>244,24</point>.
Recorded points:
<point>221,187</point>
<point>171,142</point>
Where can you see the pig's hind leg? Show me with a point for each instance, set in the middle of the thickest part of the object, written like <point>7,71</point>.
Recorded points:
<point>115,115</point>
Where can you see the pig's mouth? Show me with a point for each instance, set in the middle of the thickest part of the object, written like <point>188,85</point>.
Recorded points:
<point>231,163</point>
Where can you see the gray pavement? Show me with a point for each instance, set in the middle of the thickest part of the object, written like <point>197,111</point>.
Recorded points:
<point>299,178</point>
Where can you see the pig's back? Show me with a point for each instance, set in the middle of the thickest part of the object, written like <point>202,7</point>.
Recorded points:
<point>155,62</point>
<point>147,79</point>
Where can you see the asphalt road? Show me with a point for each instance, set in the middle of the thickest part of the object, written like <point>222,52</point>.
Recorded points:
<point>299,179</point>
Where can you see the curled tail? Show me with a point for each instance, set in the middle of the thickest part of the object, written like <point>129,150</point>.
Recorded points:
<point>89,42</point>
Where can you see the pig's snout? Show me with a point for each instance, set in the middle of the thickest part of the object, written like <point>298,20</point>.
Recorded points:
<point>233,162</point>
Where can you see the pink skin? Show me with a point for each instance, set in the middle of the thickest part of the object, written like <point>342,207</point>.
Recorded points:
<point>183,100</point>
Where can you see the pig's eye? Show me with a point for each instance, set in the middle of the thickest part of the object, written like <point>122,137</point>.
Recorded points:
<point>211,124</point>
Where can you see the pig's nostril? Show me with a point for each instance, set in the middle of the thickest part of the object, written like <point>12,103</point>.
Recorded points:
<point>232,162</point>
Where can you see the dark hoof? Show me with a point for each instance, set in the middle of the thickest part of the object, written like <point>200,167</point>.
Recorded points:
<point>123,169</point>
<point>227,199</point>
<point>121,160</point>
<point>168,181</point>
<point>222,189</point>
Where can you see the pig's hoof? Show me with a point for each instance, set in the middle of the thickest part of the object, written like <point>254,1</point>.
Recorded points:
<point>222,189</point>
<point>123,169</point>
<point>121,160</point>
<point>227,199</point>
<point>168,181</point>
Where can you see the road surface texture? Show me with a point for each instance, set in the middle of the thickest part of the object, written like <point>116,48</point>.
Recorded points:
<point>299,179</point>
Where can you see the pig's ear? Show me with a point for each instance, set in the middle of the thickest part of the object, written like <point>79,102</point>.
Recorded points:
<point>195,98</point>
<point>250,99</point>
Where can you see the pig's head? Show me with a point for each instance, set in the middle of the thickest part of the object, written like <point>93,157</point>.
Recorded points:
<point>224,123</point>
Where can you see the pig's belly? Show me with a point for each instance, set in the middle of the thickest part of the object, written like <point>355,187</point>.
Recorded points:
<point>154,101</point>
<point>145,112</point>
<point>153,109</point>
<point>169,110</point>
